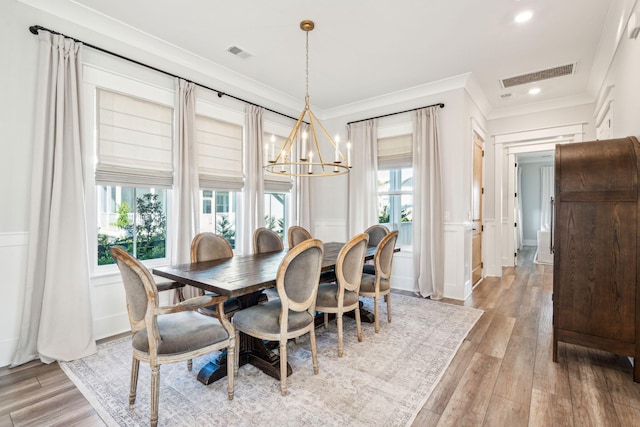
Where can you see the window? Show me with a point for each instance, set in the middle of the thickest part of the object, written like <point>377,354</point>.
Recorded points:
<point>133,175</point>
<point>275,209</point>
<point>223,220</point>
<point>395,186</point>
<point>221,175</point>
<point>277,189</point>
<point>136,219</point>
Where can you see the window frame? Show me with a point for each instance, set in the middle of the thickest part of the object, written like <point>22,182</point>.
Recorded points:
<point>162,92</point>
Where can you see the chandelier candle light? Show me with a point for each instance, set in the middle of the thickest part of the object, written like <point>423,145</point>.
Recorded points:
<point>286,161</point>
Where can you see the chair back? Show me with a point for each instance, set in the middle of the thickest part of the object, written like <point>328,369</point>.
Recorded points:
<point>265,240</point>
<point>140,289</point>
<point>383,259</point>
<point>298,277</point>
<point>209,246</point>
<point>297,234</point>
<point>350,261</point>
<point>376,233</point>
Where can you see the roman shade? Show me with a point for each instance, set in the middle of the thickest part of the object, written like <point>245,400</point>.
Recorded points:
<point>395,152</point>
<point>135,141</point>
<point>219,154</point>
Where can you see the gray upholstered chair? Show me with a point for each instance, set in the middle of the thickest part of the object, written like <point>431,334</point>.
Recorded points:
<point>169,334</point>
<point>297,234</point>
<point>208,247</point>
<point>378,284</point>
<point>265,240</point>
<point>342,297</point>
<point>376,233</point>
<point>293,313</point>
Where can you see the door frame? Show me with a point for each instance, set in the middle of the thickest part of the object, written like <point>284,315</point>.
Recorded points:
<point>507,146</point>
<point>482,133</point>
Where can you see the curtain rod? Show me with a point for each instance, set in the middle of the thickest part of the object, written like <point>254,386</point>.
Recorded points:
<point>440,104</point>
<point>34,30</point>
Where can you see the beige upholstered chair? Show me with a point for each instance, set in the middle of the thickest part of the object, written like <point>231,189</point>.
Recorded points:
<point>169,334</point>
<point>342,297</point>
<point>297,234</point>
<point>292,315</point>
<point>376,233</point>
<point>265,240</point>
<point>378,284</point>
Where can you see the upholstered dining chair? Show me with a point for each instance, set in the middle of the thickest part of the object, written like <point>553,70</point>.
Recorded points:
<point>292,314</point>
<point>266,240</point>
<point>342,297</point>
<point>376,232</point>
<point>169,334</point>
<point>378,284</point>
<point>297,234</point>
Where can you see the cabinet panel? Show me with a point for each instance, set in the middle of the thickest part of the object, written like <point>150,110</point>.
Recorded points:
<point>596,242</point>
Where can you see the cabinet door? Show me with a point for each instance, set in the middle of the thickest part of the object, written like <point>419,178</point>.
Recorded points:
<point>595,272</point>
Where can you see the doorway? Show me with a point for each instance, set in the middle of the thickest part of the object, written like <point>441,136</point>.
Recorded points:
<point>508,147</point>
<point>476,210</point>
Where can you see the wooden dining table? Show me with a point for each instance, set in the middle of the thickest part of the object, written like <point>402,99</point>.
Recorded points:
<point>245,277</point>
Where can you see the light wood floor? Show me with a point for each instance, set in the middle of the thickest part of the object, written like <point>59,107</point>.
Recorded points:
<point>501,376</point>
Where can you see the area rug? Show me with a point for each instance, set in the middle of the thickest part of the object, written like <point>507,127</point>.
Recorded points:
<point>383,381</point>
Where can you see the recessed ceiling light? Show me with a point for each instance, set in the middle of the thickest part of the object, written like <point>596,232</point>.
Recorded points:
<point>523,16</point>
<point>534,91</point>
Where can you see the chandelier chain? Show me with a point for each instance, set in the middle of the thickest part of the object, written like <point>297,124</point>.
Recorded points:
<point>306,97</point>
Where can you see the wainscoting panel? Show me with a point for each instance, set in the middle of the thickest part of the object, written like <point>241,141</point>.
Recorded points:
<point>457,259</point>
<point>13,259</point>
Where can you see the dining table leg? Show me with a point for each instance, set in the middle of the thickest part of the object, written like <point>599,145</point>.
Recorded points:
<point>251,350</point>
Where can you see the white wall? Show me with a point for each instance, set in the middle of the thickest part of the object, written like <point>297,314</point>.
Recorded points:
<point>530,193</point>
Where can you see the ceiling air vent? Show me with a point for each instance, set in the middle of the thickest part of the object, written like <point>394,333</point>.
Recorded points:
<point>536,76</point>
<point>235,50</point>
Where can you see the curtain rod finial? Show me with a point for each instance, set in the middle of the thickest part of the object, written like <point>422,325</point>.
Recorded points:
<point>34,29</point>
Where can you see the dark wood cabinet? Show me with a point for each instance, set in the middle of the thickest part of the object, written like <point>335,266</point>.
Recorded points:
<point>596,296</point>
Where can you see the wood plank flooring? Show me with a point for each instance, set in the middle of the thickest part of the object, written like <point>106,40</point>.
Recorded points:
<point>502,374</point>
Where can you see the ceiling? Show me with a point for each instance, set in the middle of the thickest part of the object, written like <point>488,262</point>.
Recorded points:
<point>366,49</point>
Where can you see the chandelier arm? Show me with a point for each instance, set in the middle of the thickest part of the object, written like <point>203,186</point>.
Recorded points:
<point>315,137</point>
<point>288,143</point>
<point>326,134</point>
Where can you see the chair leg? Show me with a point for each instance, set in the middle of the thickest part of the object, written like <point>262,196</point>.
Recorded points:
<point>135,367</point>
<point>155,394</point>
<point>190,365</point>
<point>388,298</point>
<point>358,324</point>
<point>376,314</point>
<point>283,366</point>
<point>326,320</point>
<point>231,369</point>
<point>339,322</point>
<point>314,350</point>
<point>236,365</point>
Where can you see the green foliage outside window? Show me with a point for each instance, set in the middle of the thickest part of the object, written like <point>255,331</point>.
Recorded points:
<point>225,229</point>
<point>275,224</point>
<point>149,228</point>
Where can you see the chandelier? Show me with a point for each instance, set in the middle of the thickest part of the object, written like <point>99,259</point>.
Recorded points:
<point>308,159</point>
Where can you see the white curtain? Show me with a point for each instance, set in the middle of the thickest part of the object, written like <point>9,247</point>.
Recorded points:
<point>362,183</point>
<point>253,207</point>
<point>546,192</point>
<point>187,184</point>
<point>428,226</point>
<point>304,200</point>
<point>57,321</point>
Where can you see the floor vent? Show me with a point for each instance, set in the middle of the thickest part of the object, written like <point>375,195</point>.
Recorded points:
<point>563,70</point>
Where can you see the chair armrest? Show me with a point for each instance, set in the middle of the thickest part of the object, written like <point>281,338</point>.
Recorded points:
<point>192,304</point>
